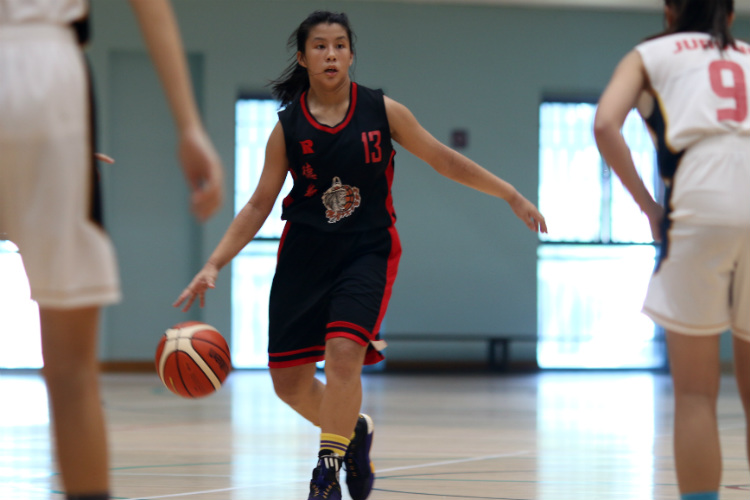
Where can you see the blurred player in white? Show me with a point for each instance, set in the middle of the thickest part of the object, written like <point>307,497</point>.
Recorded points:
<point>48,206</point>
<point>691,86</point>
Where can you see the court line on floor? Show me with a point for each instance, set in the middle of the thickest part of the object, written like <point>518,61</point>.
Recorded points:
<point>451,462</point>
<point>392,469</point>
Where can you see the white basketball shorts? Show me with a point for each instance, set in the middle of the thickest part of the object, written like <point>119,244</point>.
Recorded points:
<point>703,285</point>
<point>45,169</point>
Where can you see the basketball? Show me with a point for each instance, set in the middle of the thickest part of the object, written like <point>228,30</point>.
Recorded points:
<point>192,359</point>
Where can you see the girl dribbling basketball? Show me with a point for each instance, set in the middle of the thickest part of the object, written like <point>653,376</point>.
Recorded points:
<point>339,251</point>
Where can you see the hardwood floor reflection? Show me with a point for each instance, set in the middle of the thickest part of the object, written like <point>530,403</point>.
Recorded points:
<point>545,436</point>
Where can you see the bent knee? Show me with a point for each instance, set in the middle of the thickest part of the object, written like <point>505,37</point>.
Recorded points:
<point>344,360</point>
<point>290,394</point>
<point>290,387</point>
<point>342,351</point>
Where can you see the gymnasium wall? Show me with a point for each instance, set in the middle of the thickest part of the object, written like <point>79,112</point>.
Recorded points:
<point>468,265</point>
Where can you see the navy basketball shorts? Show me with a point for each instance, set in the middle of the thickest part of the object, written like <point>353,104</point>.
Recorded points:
<point>330,285</point>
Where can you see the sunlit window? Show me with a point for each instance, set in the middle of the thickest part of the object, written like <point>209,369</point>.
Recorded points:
<point>20,334</point>
<point>582,199</point>
<point>253,268</point>
<point>595,263</point>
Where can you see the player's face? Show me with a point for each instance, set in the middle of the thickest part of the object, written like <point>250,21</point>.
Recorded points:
<point>328,54</point>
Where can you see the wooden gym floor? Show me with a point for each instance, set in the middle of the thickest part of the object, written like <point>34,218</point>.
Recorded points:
<point>541,436</point>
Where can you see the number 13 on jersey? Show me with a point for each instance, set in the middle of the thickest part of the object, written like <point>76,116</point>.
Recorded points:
<point>371,141</point>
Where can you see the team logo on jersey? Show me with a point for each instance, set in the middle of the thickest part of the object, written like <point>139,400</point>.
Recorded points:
<point>340,200</point>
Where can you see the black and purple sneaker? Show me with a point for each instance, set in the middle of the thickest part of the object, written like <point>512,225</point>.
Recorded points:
<point>325,478</point>
<point>360,473</point>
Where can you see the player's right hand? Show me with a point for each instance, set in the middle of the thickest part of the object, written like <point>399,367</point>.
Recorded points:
<point>655,214</point>
<point>204,280</point>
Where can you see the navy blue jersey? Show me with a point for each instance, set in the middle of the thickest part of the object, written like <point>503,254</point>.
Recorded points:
<point>342,174</point>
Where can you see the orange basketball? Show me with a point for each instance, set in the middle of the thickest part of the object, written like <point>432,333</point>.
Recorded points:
<point>192,359</point>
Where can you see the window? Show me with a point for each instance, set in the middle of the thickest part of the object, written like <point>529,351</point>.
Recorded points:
<point>595,263</point>
<point>20,335</point>
<point>582,199</point>
<point>253,268</point>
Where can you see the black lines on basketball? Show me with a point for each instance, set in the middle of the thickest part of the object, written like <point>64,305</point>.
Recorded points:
<point>193,359</point>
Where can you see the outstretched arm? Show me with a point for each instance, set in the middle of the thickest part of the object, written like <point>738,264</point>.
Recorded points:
<point>406,130</point>
<point>201,164</point>
<point>620,96</point>
<point>247,223</point>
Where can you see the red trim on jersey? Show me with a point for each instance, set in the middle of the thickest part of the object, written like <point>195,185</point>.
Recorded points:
<point>295,362</point>
<point>347,335</point>
<point>391,272</point>
<point>299,357</point>
<point>288,200</point>
<point>389,179</point>
<point>372,357</point>
<point>299,351</point>
<point>325,128</point>
<point>283,237</point>
<point>351,326</point>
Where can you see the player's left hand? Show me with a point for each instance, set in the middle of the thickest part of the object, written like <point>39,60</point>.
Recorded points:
<point>528,213</point>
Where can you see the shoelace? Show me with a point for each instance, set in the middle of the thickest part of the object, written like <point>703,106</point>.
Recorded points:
<point>314,485</point>
<point>351,468</point>
<point>317,491</point>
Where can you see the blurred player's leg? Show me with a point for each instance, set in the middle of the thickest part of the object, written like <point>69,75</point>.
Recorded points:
<point>694,361</point>
<point>69,347</point>
<point>742,375</point>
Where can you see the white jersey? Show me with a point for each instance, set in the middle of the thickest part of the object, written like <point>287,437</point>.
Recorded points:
<point>701,90</point>
<point>42,11</point>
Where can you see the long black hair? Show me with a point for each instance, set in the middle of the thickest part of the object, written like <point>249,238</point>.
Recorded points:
<point>294,80</point>
<point>707,16</point>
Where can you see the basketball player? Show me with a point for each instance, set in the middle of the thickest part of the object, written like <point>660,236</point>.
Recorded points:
<point>46,172</point>
<point>339,251</point>
<point>690,85</point>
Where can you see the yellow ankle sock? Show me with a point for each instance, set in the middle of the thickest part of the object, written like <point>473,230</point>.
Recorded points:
<point>334,443</point>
